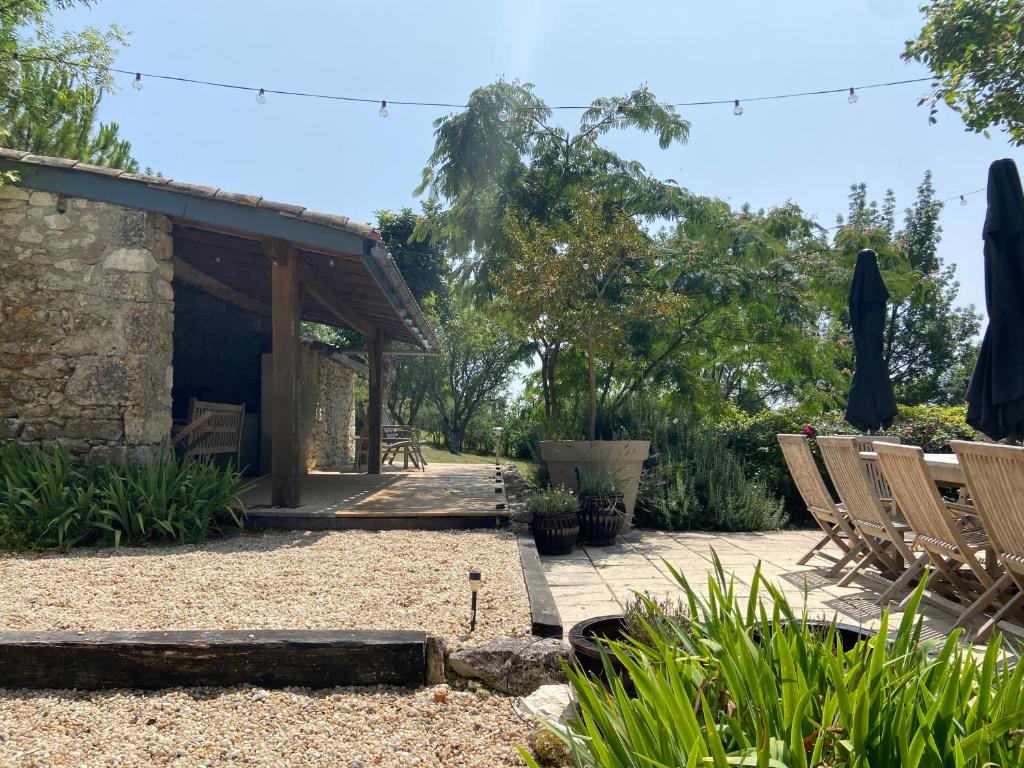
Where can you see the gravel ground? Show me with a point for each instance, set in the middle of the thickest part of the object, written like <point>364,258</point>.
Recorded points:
<point>275,580</point>
<point>339,727</point>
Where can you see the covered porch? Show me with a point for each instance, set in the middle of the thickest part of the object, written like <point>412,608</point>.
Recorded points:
<point>269,266</point>
<point>444,496</point>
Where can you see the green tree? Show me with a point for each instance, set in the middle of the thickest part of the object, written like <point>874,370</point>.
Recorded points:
<point>504,158</point>
<point>51,85</point>
<point>55,114</point>
<point>975,48</point>
<point>424,265</point>
<point>475,364</point>
<point>929,341</point>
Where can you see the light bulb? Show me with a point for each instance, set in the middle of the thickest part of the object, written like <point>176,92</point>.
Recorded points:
<point>261,97</point>
<point>852,98</point>
<point>586,265</point>
<point>383,111</point>
<point>737,110</point>
<point>963,200</point>
<point>331,262</point>
<point>137,82</point>
<point>503,114</point>
<point>729,251</point>
<point>14,65</point>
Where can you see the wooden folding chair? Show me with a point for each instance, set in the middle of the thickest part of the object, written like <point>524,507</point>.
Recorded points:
<point>866,443</point>
<point>941,531</point>
<point>831,517</point>
<point>211,428</point>
<point>883,532</point>
<point>995,479</point>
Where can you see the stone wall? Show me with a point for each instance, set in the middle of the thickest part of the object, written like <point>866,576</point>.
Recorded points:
<point>328,414</point>
<point>86,324</point>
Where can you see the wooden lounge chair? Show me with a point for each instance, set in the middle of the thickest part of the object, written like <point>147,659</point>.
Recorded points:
<point>211,428</point>
<point>873,519</point>
<point>941,530</point>
<point>831,517</point>
<point>995,479</point>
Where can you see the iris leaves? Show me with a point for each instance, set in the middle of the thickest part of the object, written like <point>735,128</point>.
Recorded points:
<point>751,682</point>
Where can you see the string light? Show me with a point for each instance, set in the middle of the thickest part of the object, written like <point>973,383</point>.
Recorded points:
<point>383,111</point>
<point>737,109</point>
<point>261,97</point>
<point>14,60</point>
<point>14,64</point>
<point>852,98</point>
<point>963,200</point>
<point>729,251</point>
<point>503,113</point>
<point>137,82</point>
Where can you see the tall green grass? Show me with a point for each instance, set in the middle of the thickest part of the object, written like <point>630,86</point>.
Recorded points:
<point>47,501</point>
<point>750,683</point>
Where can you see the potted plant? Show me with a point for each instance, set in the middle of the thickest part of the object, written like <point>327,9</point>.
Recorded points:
<point>555,523</point>
<point>602,509</point>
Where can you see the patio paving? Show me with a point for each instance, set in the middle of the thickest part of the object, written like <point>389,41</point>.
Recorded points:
<point>594,581</point>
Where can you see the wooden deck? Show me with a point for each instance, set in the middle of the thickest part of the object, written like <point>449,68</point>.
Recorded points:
<point>445,496</point>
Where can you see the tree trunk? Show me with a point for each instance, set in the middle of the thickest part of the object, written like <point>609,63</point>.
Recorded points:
<point>592,389</point>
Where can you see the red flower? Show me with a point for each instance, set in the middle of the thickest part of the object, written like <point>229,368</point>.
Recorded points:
<point>808,430</point>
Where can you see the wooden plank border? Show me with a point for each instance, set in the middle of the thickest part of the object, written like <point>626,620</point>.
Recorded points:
<point>267,658</point>
<point>544,617</point>
<point>379,522</point>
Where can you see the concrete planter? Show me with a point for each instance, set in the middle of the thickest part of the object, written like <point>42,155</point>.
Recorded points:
<point>623,458</point>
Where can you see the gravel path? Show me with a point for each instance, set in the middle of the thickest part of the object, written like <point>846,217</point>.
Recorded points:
<point>275,580</point>
<point>339,727</point>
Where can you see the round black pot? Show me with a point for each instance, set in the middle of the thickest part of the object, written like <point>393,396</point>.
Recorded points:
<point>601,519</point>
<point>849,634</point>
<point>555,534</point>
<point>586,638</point>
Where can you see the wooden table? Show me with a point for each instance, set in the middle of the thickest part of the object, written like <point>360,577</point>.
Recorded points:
<point>944,467</point>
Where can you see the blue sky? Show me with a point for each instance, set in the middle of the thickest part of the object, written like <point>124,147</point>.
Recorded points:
<point>344,159</point>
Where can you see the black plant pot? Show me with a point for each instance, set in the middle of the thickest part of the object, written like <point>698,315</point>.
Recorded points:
<point>601,519</point>
<point>556,534</point>
<point>586,639</point>
<point>848,634</point>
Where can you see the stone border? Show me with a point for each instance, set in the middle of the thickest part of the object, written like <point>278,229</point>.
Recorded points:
<point>267,658</point>
<point>544,617</point>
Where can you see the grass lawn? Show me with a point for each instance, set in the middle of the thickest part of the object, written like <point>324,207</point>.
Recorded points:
<point>440,456</point>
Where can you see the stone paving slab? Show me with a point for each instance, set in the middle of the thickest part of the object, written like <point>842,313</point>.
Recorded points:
<point>595,581</point>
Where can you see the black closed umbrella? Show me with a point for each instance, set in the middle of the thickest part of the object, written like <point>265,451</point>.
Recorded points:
<point>995,397</point>
<point>872,404</point>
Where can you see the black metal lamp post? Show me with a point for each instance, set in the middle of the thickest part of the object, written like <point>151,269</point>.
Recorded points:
<point>475,580</point>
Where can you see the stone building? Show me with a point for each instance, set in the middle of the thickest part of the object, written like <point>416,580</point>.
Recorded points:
<point>122,296</point>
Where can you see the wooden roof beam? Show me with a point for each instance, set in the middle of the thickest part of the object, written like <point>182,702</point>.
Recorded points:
<point>189,274</point>
<point>346,316</point>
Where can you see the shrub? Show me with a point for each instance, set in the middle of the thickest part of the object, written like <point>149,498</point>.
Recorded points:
<point>550,502</point>
<point>597,481</point>
<point>753,684</point>
<point>47,501</point>
<point>752,440</point>
<point>693,480</point>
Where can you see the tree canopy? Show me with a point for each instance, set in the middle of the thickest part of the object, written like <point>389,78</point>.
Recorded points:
<point>51,86</point>
<point>975,48</point>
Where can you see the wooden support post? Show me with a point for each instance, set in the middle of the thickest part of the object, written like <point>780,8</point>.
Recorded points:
<point>286,307</point>
<point>374,411</point>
